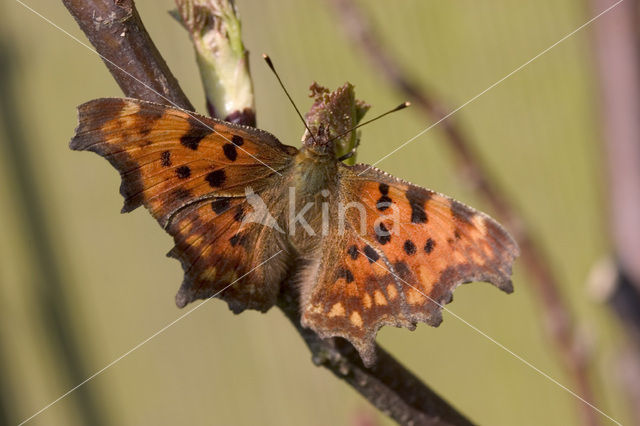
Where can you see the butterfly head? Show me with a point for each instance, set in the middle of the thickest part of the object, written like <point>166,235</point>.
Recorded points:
<point>319,143</point>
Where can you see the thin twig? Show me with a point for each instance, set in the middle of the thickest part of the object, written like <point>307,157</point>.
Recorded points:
<point>558,317</point>
<point>388,385</point>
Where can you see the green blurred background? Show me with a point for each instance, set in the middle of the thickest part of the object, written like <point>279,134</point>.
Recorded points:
<point>539,132</point>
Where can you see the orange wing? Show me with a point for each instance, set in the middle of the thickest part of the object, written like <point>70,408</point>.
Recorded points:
<point>402,262</point>
<point>191,172</point>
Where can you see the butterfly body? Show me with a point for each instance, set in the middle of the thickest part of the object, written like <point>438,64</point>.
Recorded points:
<point>316,163</point>
<point>247,213</point>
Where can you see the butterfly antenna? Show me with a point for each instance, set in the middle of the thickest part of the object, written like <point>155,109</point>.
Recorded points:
<point>268,61</point>
<point>398,108</point>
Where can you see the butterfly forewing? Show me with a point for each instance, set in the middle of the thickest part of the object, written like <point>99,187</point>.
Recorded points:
<point>191,172</point>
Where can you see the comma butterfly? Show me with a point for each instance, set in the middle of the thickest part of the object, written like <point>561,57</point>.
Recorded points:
<point>366,249</point>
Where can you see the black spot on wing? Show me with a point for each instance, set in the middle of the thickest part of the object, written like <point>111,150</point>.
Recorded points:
<point>237,140</point>
<point>409,247</point>
<point>346,274</point>
<point>220,205</point>
<point>238,239</point>
<point>197,131</point>
<point>183,172</point>
<point>382,233</point>
<point>165,159</point>
<point>383,203</point>
<point>353,252</point>
<point>216,178</point>
<point>371,254</point>
<point>417,198</point>
<point>230,151</point>
<point>239,215</point>
<point>429,246</point>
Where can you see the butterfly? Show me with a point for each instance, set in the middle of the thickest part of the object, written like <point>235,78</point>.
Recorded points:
<point>248,213</point>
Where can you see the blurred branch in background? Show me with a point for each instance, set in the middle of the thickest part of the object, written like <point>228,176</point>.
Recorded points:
<point>388,385</point>
<point>617,56</point>
<point>7,414</point>
<point>558,318</point>
<point>47,288</point>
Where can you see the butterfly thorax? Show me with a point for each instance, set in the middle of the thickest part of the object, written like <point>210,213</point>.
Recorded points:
<point>316,164</point>
<point>314,179</point>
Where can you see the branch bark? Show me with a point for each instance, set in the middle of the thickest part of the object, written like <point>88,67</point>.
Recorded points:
<point>388,385</point>
<point>559,319</point>
<point>115,29</point>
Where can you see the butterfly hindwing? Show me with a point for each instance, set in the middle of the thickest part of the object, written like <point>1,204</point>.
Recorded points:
<point>401,263</point>
<point>220,253</point>
<point>191,173</point>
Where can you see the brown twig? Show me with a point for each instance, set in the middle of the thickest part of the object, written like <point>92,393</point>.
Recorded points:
<point>388,385</point>
<point>116,31</point>
<point>559,320</point>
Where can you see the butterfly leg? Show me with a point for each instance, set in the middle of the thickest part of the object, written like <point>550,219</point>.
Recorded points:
<point>350,153</point>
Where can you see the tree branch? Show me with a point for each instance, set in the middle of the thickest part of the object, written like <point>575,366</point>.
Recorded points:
<point>558,318</point>
<point>114,28</point>
<point>388,385</point>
